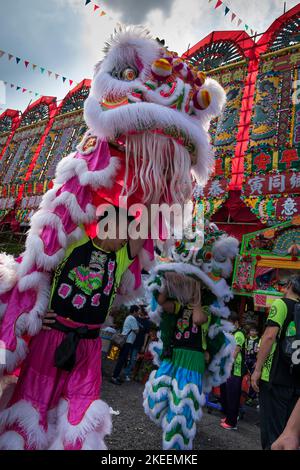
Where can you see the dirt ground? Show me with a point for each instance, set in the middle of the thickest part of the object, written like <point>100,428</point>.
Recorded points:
<point>132,429</point>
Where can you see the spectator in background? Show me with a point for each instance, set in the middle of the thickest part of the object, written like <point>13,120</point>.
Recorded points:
<point>130,330</point>
<point>232,389</point>
<point>276,381</point>
<point>144,328</point>
<point>252,345</point>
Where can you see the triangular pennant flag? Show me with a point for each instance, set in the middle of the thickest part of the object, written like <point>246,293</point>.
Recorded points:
<point>56,76</point>
<point>70,81</point>
<point>233,16</point>
<point>252,32</point>
<point>18,88</point>
<point>246,26</point>
<point>227,10</point>
<point>10,56</point>
<point>87,2</point>
<point>30,92</point>
<point>36,94</point>
<point>64,79</point>
<point>218,4</point>
<point>18,59</point>
<point>239,22</point>
<point>12,85</point>
<point>42,69</point>
<point>26,63</point>
<point>34,66</point>
<point>102,13</point>
<point>5,83</point>
<point>24,89</point>
<point>96,7</point>
<point>49,73</point>
<point>2,53</point>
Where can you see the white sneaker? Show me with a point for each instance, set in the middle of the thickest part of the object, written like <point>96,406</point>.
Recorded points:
<point>127,378</point>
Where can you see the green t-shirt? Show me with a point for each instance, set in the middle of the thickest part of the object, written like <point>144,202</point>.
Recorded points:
<point>238,363</point>
<point>277,316</point>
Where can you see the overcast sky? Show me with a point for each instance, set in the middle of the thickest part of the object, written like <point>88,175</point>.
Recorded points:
<point>67,37</point>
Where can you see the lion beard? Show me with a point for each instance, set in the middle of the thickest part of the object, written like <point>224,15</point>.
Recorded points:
<point>161,167</point>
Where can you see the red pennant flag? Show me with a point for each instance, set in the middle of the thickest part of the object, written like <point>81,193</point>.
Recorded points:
<point>26,63</point>
<point>23,90</point>
<point>233,16</point>
<point>218,4</point>
<point>70,81</point>
<point>96,7</point>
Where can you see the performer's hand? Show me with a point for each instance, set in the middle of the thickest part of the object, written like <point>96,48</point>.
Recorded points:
<point>48,319</point>
<point>286,442</point>
<point>255,378</point>
<point>207,357</point>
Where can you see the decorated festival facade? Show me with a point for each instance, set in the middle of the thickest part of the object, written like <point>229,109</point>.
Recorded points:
<point>32,144</point>
<point>267,259</point>
<point>256,181</point>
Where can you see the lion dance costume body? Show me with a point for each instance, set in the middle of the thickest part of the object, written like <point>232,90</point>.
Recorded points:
<point>147,113</point>
<point>191,358</point>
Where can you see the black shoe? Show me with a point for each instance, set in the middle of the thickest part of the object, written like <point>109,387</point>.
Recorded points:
<point>115,381</point>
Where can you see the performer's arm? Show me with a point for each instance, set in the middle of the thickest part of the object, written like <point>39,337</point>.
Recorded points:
<point>236,351</point>
<point>290,438</point>
<point>199,316</point>
<point>167,304</point>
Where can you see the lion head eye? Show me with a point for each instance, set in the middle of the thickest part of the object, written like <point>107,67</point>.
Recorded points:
<point>128,74</point>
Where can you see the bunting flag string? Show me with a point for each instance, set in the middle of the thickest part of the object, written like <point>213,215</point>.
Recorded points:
<point>42,70</point>
<point>22,89</point>
<point>234,16</point>
<point>96,7</point>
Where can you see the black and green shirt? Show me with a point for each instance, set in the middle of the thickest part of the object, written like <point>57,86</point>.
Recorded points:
<point>85,283</point>
<point>275,368</point>
<point>187,335</point>
<point>238,365</point>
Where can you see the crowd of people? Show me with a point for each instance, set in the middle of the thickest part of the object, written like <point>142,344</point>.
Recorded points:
<point>260,369</point>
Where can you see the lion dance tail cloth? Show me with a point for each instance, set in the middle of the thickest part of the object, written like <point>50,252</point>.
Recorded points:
<point>147,113</point>
<point>175,393</point>
<point>173,398</point>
